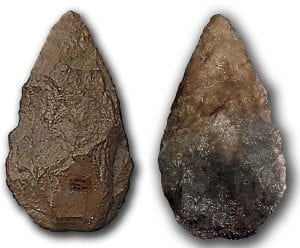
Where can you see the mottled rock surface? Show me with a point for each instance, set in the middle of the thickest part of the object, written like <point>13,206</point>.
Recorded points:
<point>223,171</point>
<point>69,164</point>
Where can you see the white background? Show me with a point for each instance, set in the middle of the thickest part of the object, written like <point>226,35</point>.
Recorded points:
<point>146,46</point>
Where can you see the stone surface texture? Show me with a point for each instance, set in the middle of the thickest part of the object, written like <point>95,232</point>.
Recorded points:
<point>69,164</point>
<point>222,168</point>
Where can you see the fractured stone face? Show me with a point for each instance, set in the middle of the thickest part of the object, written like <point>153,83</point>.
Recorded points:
<point>69,164</point>
<point>223,171</point>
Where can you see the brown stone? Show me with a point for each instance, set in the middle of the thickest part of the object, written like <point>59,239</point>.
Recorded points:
<point>69,164</point>
<point>223,171</point>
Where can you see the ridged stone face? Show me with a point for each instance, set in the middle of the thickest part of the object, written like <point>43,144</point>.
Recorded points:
<point>69,164</point>
<point>222,168</point>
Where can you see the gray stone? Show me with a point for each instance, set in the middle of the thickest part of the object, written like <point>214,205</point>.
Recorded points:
<point>222,168</point>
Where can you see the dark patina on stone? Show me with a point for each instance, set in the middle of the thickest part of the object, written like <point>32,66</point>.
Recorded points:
<point>69,164</point>
<point>222,168</point>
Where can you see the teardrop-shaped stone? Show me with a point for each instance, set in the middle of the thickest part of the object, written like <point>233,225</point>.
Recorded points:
<point>223,171</point>
<point>69,164</point>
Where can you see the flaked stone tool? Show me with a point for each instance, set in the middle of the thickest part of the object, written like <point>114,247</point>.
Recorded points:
<point>222,168</point>
<point>69,164</point>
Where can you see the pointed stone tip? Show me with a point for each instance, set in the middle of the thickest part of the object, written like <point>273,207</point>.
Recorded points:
<point>69,42</point>
<point>71,13</point>
<point>219,20</point>
<point>71,16</point>
<point>220,26</point>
